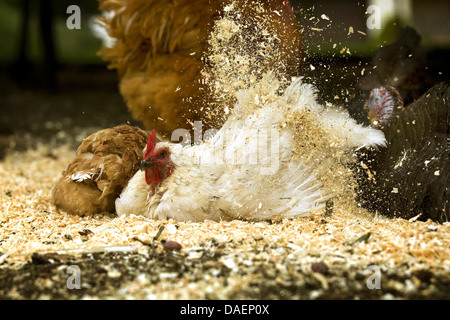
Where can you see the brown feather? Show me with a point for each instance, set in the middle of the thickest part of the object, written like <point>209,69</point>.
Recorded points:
<point>104,162</point>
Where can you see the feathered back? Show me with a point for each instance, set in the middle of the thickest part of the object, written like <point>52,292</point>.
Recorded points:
<point>426,118</point>
<point>288,147</point>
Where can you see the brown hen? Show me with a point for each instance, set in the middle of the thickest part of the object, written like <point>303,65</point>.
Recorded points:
<point>160,48</point>
<point>103,164</point>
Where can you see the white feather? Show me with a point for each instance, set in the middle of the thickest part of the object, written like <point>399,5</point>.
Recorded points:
<point>100,30</point>
<point>81,176</point>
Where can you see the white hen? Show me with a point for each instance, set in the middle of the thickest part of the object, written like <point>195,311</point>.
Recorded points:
<point>269,160</point>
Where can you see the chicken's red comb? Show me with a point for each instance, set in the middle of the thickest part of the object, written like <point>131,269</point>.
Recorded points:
<point>151,143</point>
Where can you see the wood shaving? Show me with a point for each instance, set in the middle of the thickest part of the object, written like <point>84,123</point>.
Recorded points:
<point>30,224</point>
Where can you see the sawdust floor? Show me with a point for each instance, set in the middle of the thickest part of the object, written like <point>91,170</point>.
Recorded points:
<point>50,255</point>
<point>347,255</point>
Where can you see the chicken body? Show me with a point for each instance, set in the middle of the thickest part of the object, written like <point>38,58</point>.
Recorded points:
<point>255,167</point>
<point>103,164</point>
<point>413,173</point>
<point>160,50</point>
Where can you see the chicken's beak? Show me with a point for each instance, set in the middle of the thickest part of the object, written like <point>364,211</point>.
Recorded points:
<point>145,164</point>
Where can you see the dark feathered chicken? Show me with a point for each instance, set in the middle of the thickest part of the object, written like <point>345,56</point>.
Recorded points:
<point>412,175</point>
<point>402,65</point>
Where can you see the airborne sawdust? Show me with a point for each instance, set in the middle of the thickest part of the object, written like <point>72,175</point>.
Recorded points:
<point>257,72</point>
<point>242,49</point>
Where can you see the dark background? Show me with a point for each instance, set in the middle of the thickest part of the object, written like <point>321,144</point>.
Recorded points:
<point>55,89</point>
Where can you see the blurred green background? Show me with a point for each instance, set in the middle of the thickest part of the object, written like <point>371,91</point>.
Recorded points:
<point>431,19</point>
<point>71,46</point>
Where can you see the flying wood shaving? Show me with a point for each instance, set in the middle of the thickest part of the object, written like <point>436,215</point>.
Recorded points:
<point>234,65</point>
<point>29,224</point>
<point>350,31</point>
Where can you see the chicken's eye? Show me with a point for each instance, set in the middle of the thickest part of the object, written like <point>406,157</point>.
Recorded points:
<point>162,154</point>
